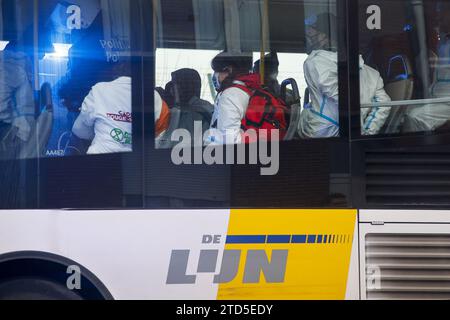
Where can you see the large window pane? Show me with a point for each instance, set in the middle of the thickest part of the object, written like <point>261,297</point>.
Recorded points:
<point>65,90</point>
<point>405,75</point>
<point>65,81</point>
<point>298,43</point>
<point>265,44</point>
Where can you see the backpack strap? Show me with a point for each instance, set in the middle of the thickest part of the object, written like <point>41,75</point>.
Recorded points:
<point>243,88</point>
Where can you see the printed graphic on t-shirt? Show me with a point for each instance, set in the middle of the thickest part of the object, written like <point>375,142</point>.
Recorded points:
<point>120,117</point>
<point>121,136</point>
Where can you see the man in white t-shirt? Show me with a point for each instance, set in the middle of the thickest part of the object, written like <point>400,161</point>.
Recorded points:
<point>105,117</point>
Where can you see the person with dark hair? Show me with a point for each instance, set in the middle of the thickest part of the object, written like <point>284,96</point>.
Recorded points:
<point>320,118</point>
<point>105,117</point>
<point>271,65</point>
<point>243,105</point>
<point>232,102</point>
<point>271,70</point>
<point>319,30</point>
<point>184,92</point>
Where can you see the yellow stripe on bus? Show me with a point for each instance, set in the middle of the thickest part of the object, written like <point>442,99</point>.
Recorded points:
<point>318,243</point>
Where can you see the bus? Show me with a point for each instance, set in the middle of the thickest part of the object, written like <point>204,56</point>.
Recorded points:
<point>95,204</point>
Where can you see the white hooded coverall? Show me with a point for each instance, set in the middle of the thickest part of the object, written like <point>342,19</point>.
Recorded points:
<point>320,119</point>
<point>432,116</point>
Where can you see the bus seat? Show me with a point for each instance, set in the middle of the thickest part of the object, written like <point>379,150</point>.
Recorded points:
<point>36,146</point>
<point>400,87</point>
<point>294,107</point>
<point>306,98</point>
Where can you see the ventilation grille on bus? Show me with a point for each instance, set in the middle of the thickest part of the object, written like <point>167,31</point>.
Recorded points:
<point>407,178</point>
<point>408,266</point>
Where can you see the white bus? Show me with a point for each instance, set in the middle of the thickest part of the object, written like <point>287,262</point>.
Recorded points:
<point>92,206</point>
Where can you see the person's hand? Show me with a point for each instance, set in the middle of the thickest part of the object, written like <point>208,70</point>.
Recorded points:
<point>9,140</point>
<point>23,128</point>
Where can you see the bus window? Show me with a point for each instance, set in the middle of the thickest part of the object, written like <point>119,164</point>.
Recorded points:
<point>212,56</point>
<point>66,84</point>
<point>405,71</point>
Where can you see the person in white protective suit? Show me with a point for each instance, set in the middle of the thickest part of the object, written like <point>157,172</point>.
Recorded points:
<point>16,97</point>
<point>320,118</point>
<point>106,118</point>
<point>231,102</point>
<point>17,108</point>
<point>434,116</point>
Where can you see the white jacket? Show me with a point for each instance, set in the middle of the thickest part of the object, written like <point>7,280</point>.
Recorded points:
<point>230,108</point>
<point>105,117</point>
<point>321,118</point>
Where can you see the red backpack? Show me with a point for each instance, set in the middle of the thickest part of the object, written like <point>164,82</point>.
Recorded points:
<point>264,112</point>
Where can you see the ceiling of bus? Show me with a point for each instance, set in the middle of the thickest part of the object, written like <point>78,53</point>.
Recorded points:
<point>200,24</point>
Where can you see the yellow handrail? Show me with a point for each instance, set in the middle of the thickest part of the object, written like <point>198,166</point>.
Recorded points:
<point>264,32</point>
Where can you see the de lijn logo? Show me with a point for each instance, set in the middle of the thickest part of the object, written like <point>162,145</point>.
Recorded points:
<point>257,262</point>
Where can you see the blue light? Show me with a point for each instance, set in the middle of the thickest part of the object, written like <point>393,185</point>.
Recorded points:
<point>3,44</point>
<point>407,28</point>
<point>311,20</point>
<point>61,51</point>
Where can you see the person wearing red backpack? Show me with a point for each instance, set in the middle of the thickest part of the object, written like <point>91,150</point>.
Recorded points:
<point>242,104</point>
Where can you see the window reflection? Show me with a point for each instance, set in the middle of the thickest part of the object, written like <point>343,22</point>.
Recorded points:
<point>411,53</point>
<point>66,80</point>
<point>252,70</point>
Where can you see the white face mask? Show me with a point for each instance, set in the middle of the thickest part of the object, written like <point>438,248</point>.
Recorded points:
<point>316,40</point>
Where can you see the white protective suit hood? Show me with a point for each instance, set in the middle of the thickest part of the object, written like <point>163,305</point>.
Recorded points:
<point>320,119</point>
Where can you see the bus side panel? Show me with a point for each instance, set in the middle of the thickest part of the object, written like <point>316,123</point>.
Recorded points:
<point>129,251</point>
<point>196,254</point>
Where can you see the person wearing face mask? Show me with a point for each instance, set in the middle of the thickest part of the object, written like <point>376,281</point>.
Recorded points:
<point>231,102</point>
<point>243,104</point>
<point>320,118</point>
<point>434,116</point>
